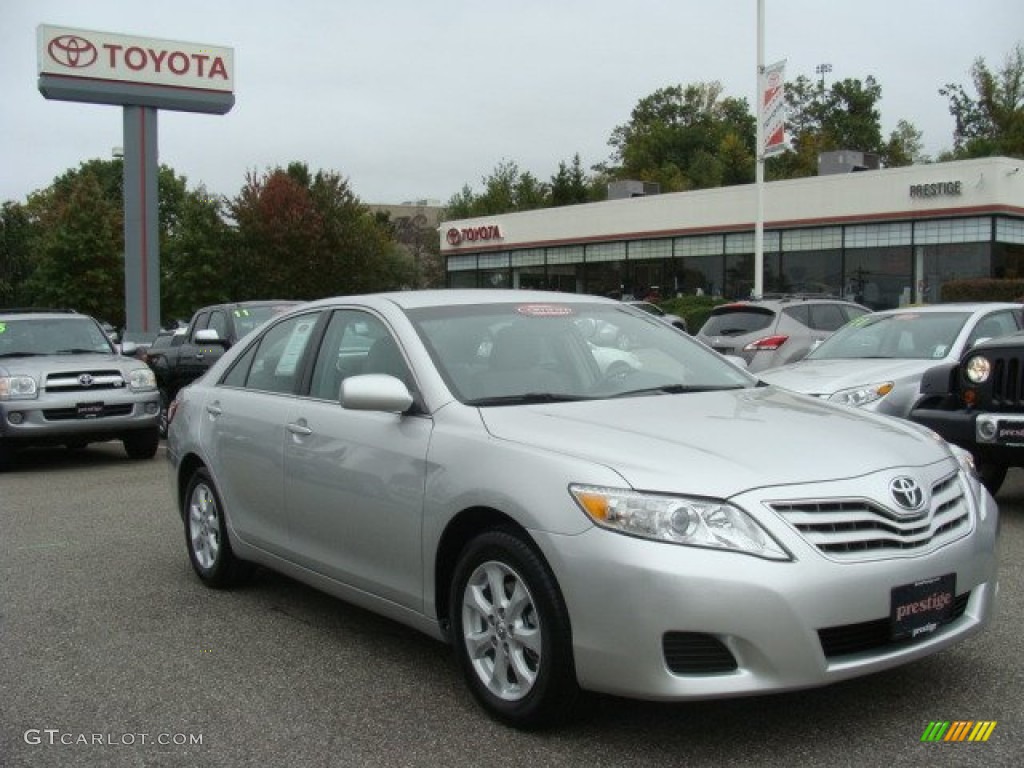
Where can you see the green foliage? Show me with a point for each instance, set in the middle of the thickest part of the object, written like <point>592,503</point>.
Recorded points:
<point>15,255</point>
<point>991,122</point>
<point>694,309</point>
<point>982,289</point>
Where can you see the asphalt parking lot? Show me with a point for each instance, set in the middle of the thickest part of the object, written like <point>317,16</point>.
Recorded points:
<point>112,653</point>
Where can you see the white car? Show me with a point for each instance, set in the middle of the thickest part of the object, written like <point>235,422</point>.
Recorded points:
<point>675,531</point>
<point>876,361</point>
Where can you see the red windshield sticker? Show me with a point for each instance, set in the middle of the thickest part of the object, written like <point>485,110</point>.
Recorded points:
<point>544,310</point>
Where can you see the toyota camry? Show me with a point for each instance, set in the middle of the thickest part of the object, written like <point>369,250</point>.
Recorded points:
<point>668,528</point>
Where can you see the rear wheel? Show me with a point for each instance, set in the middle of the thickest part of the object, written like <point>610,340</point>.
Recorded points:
<point>511,632</point>
<point>142,444</point>
<point>206,535</point>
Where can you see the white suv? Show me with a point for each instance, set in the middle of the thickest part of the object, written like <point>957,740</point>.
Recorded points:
<point>62,382</point>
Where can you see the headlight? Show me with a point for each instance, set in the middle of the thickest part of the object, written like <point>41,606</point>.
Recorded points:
<point>861,396</point>
<point>677,520</point>
<point>978,369</point>
<point>141,379</point>
<point>17,388</point>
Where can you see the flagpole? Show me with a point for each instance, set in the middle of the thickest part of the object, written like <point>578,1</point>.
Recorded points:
<point>758,289</point>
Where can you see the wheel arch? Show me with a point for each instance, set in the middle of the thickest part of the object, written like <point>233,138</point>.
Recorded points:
<point>460,530</point>
<point>188,467</point>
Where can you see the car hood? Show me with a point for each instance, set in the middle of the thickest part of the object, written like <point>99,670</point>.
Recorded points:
<point>826,377</point>
<point>718,443</point>
<point>50,364</point>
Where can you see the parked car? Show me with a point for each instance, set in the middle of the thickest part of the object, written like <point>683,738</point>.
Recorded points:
<point>877,361</point>
<point>188,353</point>
<point>473,472</point>
<point>62,382</point>
<point>770,332</point>
<point>977,402</point>
<point>653,309</point>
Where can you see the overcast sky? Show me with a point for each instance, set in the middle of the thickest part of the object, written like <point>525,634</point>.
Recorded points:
<point>412,99</point>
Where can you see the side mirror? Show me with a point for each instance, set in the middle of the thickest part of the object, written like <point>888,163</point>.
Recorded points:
<point>375,392</point>
<point>129,348</point>
<point>210,336</point>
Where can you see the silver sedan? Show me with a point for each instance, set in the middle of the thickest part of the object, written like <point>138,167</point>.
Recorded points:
<point>462,462</point>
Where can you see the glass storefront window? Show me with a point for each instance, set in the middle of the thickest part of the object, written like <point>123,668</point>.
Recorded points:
<point>879,278</point>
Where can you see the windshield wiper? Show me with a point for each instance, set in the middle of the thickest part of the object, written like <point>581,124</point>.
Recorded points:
<point>23,354</point>
<point>77,351</point>
<point>528,398</point>
<point>673,389</point>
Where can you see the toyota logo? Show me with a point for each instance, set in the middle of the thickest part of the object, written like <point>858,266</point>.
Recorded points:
<point>72,51</point>
<point>85,380</point>
<point>454,236</point>
<point>907,493</point>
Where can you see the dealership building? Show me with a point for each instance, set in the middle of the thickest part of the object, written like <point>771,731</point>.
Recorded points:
<point>883,237</point>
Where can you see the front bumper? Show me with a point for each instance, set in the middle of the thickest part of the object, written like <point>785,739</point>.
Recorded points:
<point>961,427</point>
<point>768,626</point>
<point>108,415</point>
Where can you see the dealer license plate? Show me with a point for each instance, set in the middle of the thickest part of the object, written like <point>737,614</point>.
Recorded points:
<point>922,607</point>
<point>88,410</point>
<point>1010,432</point>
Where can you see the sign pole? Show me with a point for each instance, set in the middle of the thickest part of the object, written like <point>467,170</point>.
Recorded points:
<point>758,289</point>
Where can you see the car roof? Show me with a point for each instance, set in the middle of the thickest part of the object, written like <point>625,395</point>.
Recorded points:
<point>39,314</point>
<point>468,296</point>
<point>953,306</point>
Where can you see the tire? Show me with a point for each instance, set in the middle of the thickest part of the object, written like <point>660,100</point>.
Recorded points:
<point>206,538</point>
<point>162,423</point>
<point>515,649</point>
<point>991,475</point>
<point>142,444</point>
<point>6,456</point>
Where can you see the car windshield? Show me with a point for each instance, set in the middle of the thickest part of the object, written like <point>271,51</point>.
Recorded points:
<point>898,336</point>
<point>24,337</point>
<point>497,354</point>
<point>248,319</point>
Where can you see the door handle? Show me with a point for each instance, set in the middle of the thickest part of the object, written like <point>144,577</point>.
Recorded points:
<point>214,410</point>
<point>299,429</point>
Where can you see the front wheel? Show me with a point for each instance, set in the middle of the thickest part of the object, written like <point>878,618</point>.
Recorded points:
<point>142,444</point>
<point>511,632</point>
<point>206,535</point>
<point>991,475</point>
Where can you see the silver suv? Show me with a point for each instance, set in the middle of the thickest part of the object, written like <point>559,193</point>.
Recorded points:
<point>62,382</point>
<point>770,332</point>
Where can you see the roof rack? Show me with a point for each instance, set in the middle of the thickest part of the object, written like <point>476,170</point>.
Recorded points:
<point>794,296</point>
<point>37,310</point>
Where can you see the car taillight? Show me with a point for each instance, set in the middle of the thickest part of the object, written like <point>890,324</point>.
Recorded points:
<point>767,344</point>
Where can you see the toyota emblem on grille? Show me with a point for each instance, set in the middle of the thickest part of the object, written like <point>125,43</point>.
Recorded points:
<point>907,493</point>
<point>85,380</point>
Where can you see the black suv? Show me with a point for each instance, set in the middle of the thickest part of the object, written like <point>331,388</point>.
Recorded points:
<point>978,404</point>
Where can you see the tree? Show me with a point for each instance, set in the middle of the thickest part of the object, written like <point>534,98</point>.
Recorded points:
<point>992,121</point>
<point>686,138</point>
<point>569,185</point>
<point>15,264</point>
<point>78,247</point>
<point>303,235</point>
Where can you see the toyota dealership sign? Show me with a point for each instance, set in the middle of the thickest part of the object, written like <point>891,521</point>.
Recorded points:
<point>83,65</point>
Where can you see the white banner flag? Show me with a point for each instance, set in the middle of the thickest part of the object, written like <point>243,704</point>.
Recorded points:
<point>773,109</point>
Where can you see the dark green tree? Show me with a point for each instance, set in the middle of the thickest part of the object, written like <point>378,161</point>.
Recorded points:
<point>15,261</point>
<point>686,137</point>
<point>78,248</point>
<point>990,122</point>
<point>569,185</point>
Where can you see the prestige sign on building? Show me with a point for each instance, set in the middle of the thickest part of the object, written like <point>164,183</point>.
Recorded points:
<point>107,68</point>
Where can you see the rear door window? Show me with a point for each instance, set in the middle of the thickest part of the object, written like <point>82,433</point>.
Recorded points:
<point>737,320</point>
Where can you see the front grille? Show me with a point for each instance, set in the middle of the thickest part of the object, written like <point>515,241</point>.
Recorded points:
<point>85,381</point>
<point>871,635</point>
<point>696,653</point>
<point>855,528</point>
<point>1006,382</point>
<point>70,414</point>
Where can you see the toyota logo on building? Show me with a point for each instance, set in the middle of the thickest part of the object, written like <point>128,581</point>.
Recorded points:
<point>907,493</point>
<point>454,236</point>
<point>72,51</point>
